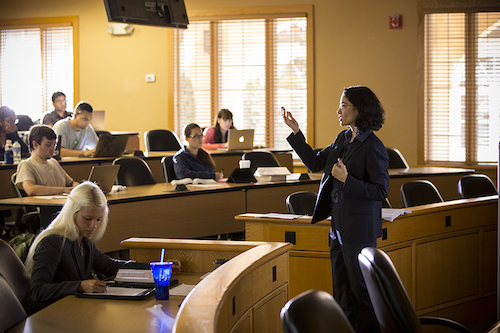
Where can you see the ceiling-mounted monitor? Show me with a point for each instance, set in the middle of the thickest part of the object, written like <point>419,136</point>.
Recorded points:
<point>158,13</point>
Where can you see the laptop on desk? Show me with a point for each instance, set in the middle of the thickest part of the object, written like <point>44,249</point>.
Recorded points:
<point>104,176</point>
<point>240,139</point>
<point>110,145</point>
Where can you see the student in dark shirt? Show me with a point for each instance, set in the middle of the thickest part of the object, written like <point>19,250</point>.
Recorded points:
<point>193,161</point>
<point>59,103</point>
<point>8,131</point>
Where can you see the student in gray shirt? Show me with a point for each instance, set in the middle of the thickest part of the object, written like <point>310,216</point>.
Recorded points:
<point>78,137</point>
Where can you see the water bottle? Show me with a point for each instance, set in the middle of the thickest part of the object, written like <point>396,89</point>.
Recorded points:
<point>16,150</point>
<point>7,156</point>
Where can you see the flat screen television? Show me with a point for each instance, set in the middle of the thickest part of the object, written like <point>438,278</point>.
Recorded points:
<point>158,13</point>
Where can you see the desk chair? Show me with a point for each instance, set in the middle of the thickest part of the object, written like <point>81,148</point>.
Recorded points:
<point>314,311</point>
<point>14,287</point>
<point>301,203</point>
<point>419,192</point>
<point>386,203</point>
<point>167,166</point>
<point>161,140</point>
<point>396,159</point>
<point>261,159</point>
<point>133,171</point>
<point>393,308</point>
<point>473,186</point>
<point>24,123</point>
<point>31,215</point>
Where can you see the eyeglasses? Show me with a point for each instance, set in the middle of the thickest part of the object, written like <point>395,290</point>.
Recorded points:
<point>343,106</point>
<point>196,136</point>
<point>61,101</point>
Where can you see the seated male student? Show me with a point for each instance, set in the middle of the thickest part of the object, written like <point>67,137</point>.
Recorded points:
<point>78,137</point>
<point>59,103</point>
<point>41,174</point>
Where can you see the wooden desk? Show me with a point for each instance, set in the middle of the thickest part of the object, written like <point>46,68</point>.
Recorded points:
<point>445,254</point>
<point>248,295</point>
<point>160,211</point>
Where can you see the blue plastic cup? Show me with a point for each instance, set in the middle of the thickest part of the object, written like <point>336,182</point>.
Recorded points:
<point>162,271</point>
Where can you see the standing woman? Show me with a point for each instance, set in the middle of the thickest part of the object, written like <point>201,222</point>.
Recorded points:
<point>216,136</point>
<point>63,257</point>
<point>8,131</point>
<point>193,161</point>
<point>354,183</point>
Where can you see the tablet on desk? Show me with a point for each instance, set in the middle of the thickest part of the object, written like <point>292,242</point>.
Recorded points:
<point>123,293</point>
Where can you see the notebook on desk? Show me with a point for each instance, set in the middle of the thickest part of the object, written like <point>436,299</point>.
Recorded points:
<point>104,175</point>
<point>110,145</point>
<point>240,139</point>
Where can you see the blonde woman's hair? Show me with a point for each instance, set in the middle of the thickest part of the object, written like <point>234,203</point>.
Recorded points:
<point>84,195</point>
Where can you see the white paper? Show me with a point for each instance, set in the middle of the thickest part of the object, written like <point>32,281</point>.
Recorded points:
<point>390,214</point>
<point>134,275</point>
<point>182,289</point>
<point>50,197</point>
<point>281,216</point>
<point>272,171</point>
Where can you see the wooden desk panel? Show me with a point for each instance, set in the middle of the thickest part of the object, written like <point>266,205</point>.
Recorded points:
<point>272,199</point>
<point>445,253</point>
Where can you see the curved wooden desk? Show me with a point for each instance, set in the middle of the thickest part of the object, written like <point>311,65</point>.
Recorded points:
<point>445,254</point>
<point>244,295</point>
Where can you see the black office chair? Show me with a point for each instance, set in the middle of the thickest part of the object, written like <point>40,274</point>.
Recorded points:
<point>14,287</point>
<point>167,166</point>
<point>161,140</point>
<point>133,171</point>
<point>393,308</point>
<point>24,123</point>
<point>419,192</point>
<point>477,185</point>
<point>301,203</point>
<point>386,203</point>
<point>31,215</point>
<point>314,311</point>
<point>261,159</point>
<point>396,159</point>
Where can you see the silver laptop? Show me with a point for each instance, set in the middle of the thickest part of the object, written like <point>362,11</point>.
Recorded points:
<point>104,176</point>
<point>240,139</point>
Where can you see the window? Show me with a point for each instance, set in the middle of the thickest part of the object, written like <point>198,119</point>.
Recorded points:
<point>36,60</point>
<point>251,66</point>
<point>461,85</point>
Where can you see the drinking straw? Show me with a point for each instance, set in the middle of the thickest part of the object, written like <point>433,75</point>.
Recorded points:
<point>162,254</point>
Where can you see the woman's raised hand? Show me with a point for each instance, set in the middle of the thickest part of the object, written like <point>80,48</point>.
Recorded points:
<point>289,120</point>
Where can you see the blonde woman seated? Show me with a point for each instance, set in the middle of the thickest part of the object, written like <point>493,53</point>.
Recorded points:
<point>193,161</point>
<point>63,258</point>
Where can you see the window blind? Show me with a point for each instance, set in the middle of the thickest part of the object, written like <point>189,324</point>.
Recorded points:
<point>249,66</point>
<point>462,80</point>
<point>35,62</point>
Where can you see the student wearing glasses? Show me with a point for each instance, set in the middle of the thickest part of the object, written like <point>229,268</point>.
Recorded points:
<point>59,103</point>
<point>193,161</point>
<point>8,131</point>
<point>355,181</point>
<point>78,137</point>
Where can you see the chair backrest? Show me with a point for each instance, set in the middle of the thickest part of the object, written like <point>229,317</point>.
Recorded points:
<point>19,193</point>
<point>261,159</point>
<point>14,287</point>
<point>133,171</point>
<point>477,185</point>
<point>419,192</point>
<point>396,159</point>
<point>24,122</point>
<point>167,166</point>
<point>393,308</point>
<point>386,203</point>
<point>314,311</point>
<point>161,140</point>
<point>301,202</point>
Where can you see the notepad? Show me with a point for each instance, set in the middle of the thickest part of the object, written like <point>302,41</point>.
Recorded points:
<point>196,181</point>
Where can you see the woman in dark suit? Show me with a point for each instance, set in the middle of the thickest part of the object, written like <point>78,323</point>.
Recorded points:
<point>354,183</point>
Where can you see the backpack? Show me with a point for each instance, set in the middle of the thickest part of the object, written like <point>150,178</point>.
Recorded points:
<point>21,244</point>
